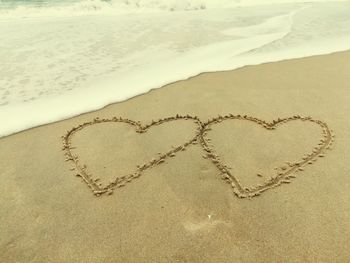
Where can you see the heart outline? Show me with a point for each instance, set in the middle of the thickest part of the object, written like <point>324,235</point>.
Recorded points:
<point>87,177</point>
<point>282,177</point>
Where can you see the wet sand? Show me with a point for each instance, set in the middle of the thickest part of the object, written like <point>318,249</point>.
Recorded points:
<point>236,166</point>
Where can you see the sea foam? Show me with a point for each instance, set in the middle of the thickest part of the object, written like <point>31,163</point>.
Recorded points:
<point>61,61</point>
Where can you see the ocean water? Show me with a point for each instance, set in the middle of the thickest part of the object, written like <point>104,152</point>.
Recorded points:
<point>60,58</point>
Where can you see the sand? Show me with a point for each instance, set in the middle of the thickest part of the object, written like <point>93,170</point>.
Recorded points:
<point>236,166</point>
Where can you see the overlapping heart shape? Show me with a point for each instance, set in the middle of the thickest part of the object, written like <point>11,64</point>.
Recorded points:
<point>120,181</point>
<point>284,173</point>
<point>201,135</point>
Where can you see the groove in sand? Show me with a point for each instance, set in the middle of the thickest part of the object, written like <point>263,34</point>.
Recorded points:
<point>284,174</point>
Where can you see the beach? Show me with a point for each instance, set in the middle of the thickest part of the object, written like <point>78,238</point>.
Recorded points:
<point>184,209</point>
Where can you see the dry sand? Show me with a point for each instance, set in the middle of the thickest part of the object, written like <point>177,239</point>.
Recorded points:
<point>181,209</point>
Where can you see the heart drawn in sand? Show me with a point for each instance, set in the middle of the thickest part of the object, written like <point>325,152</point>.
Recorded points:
<point>119,181</point>
<point>284,173</point>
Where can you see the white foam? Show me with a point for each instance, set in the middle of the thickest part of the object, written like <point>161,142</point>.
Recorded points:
<point>115,7</point>
<point>57,67</point>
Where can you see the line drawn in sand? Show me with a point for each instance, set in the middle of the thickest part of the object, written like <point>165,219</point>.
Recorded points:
<point>284,174</point>
<point>117,182</point>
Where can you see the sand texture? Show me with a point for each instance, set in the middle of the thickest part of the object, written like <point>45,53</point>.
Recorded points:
<point>250,165</point>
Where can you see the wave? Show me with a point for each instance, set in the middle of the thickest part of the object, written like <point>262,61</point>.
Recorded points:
<point>77,64</point>
<point>88,7</point>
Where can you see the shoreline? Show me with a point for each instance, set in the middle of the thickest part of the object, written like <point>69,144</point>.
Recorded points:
<point>169,84</point>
